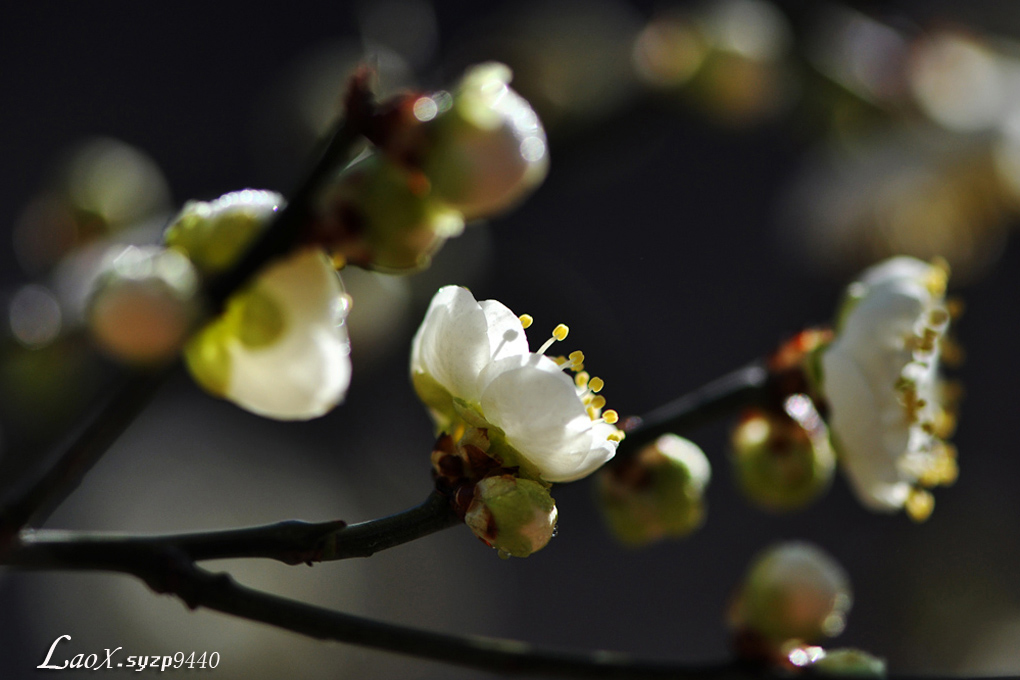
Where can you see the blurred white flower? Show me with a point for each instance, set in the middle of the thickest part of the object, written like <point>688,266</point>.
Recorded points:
<point>280,349</point>
<point>880,378</point>
<point>471,365</point>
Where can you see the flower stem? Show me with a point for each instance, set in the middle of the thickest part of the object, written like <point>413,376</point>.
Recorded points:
<point>747,385</point>
<point>33,501</point>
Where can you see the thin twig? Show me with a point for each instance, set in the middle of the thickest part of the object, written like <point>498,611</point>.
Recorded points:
<point>32,502</point>
<point>291,542</point>
<point>721,397</point>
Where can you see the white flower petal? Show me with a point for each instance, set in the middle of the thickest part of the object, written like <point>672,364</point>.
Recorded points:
<point>536,406</point>
<point>307,370</point>
<point>503,327</point>
<point>452,345</point>
<point>863,439</point>
<point>872,371</point>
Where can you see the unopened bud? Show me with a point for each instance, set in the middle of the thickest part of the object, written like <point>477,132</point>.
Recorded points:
<point>793,591</point>
<point>515,516</point>
<point>213,234</point>
<point>779,464</point>
<point>656,494</point>
<point>849,662</point>
<point>380,215</point>
<point>486,147</point>
<point>144,304</point>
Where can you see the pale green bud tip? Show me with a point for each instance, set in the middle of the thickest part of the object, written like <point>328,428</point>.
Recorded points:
<point>144,303</point>
<point>515,516</point>
<point>793,591</point>
<point>850,662</point>
<point>656,494</point>
<point>214,233</point>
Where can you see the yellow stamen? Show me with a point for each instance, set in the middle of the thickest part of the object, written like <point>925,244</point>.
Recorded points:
<point>610,416</point>
<point>599,402</point>
<point>596,384</point>
<point>576,357</point>
<point>955,307</point>
<point>338,261</point>
<point>581,380</point>
<point>560,332</point>
<point>919,505</point>
<point>526,320</point>
<point>952,351</point>
<point>615,437</point>
<point>939,277</point>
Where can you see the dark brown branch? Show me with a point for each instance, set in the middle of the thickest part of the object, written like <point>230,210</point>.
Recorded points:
<point>292,542</point>
<point>721,397</point>
<point>167,569</point>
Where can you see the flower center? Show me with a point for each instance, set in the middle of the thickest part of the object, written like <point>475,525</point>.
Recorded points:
<point>587,387</point>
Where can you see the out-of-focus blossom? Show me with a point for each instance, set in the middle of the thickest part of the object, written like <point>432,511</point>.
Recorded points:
<point>280,348</point>
<point>487,148</point>
<point>963,84</point>
<point>783,461</point>
<point>103,186</point>
<point>880,377</point>
<point>380,215</point>
<point>922,193</point>
<point>729,56</point>
<point>143,304</point>
<point>571,58</point>
<point>471,365</point>
<point>214,233</point>
<point>792,592</point>
<point>658,493</point>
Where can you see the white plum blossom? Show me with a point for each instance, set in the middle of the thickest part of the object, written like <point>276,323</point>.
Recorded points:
<point>880,379</point>
<point>280,349</point>
<point>471,365</point>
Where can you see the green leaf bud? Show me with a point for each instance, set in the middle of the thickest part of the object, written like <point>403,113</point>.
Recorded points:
<point>656,494</point>
<point>515,516</point>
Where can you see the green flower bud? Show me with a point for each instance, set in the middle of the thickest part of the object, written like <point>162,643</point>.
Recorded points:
<point>656,494</point>
<point>780,465</point>
<point>486,148</point>
<point>850,662</point>
<point>213,234</point>
<point>380,215</point>
<point>515,516</point>
<point>793,591</point>
<point>144,304</point>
